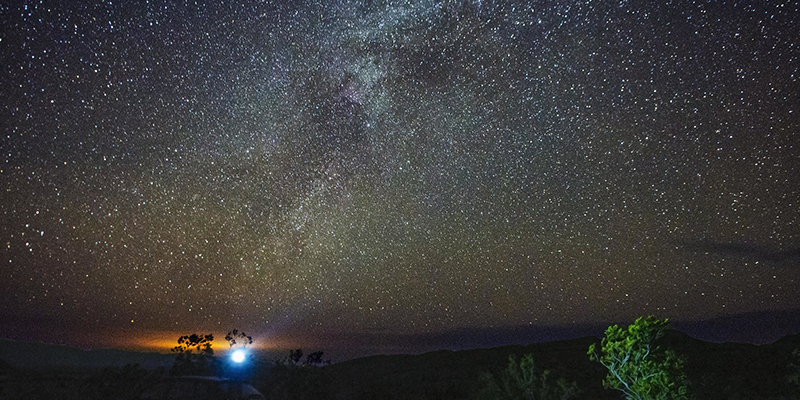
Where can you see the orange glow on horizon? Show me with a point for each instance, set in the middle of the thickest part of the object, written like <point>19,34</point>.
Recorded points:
<point>164,341</point>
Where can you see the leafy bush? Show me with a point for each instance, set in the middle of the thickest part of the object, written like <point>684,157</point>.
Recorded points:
<point>520,381</point>
<point>636,366</point>
<point>794,370</point>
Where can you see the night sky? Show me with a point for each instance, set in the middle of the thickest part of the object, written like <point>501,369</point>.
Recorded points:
<point>313,171</point>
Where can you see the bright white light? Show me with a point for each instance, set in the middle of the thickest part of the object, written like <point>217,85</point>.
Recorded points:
<point>238,356</point>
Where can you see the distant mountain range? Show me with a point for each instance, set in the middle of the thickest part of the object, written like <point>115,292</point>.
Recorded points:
<point>758,327</point>
<point>717,371</point>
<point>755,328</point>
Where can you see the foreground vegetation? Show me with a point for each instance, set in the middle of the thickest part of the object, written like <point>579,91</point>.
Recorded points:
<point>646,359</point>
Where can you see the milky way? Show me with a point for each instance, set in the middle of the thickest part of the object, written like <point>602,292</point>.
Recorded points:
<point>404,167</point>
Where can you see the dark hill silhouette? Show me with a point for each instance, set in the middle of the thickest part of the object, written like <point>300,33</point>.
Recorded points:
<point>759,327</point>
<point>455,374</point>
<point>23,355</point>
<point>736,370</point>
<point>717,371</point>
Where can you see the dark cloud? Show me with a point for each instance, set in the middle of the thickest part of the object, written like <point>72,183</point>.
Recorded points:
<point>743,250</point>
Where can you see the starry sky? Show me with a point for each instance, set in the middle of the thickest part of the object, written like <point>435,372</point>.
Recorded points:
<point>326,169</point>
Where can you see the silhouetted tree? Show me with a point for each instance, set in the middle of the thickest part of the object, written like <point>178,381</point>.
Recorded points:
<point>235,337</point>
<point>315,359</point>
<point>295,356</point>
<point>294,378</point>
<point>195,355</point>
<point>312,360</point>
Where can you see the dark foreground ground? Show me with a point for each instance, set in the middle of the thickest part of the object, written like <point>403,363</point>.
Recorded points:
<point>716,370</point>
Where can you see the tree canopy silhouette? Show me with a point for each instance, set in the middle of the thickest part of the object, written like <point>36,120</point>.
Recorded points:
<point>195,355</point>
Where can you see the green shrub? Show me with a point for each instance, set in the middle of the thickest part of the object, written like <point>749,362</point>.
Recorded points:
<point>794,370</point>
<point>636,366</point>
<point>520,381</point>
